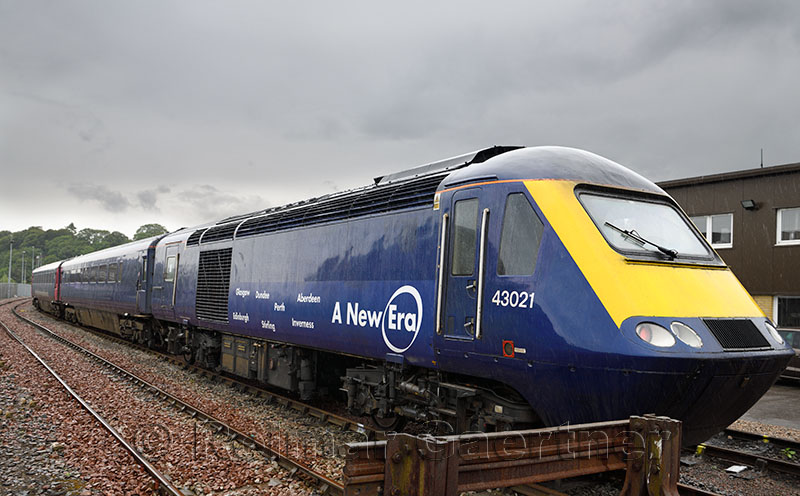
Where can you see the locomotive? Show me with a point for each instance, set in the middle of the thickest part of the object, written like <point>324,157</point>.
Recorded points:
<point>508,287</point>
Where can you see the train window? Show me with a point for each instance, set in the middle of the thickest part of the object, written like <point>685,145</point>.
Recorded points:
<point>119,272</point>
<point>521,237</point>
<point>144,269</point>
<point>643,226</point>
<point>465,223</point>
<point>169,269</point>
<point>112,272</point>
<point>102,273</point>
<point>93,274</point>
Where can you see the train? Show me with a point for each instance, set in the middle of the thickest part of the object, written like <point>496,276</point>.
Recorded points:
<point>509,287</point>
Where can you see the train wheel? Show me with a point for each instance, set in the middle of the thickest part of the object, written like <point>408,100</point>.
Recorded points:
<point>188,355</point>
<point>393,423</point>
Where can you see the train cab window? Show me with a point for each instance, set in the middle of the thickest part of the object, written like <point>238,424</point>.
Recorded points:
<point>465,223</point>
<point>647,227</point>
<point>169,269</point>
<point>101,273</point>
<point>520,238</point>
<point>112,272</point>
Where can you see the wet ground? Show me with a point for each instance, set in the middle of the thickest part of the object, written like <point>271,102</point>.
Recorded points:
<point>780,406</point>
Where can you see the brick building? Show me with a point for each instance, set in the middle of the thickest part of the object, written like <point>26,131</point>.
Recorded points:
<point>752,219</point>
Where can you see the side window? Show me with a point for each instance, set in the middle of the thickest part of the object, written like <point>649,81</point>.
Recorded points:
<point>465,224</point>
<point>101,273</point>
<point>119,272</point>
<point>93,274</point>
<point>520,239</point>
<point>169,269</point>
<point>112,272</point>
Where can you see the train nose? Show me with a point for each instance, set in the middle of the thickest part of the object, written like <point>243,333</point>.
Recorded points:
<point>721,392</point>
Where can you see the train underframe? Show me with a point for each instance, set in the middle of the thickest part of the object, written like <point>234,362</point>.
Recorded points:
<point>389,393</point>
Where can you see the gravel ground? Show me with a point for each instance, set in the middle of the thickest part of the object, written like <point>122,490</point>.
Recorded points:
<point>282,429</point>
<point>307,439</point>
<point>761,449</point>
<point>710,475</point>
<point>48,443</point>
<point>207,465</point>
<point>767,430</point>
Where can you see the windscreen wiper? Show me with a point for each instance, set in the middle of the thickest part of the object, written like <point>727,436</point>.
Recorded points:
<point>632,235</point>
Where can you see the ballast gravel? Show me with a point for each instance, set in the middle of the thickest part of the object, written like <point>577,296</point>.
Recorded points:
<point>203,462</point>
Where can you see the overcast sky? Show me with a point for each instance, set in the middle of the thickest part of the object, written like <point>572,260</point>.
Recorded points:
<point>115,114</point>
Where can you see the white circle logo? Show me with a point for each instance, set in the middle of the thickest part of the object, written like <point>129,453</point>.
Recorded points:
<point>401,321</point>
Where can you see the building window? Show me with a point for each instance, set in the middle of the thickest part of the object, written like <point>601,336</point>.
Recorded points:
<point>788,226</point>
<point>718,229</point>
<point>787,311</point>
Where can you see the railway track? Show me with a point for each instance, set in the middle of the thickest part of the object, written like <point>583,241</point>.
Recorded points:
<point>324,484</point>
<point>163,484</point>
<point>756,458</point>
<point>333,419</point>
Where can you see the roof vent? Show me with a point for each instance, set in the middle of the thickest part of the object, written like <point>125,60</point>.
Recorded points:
<point>194,239</point>
<point>219,233</point>
<point>377,199</point>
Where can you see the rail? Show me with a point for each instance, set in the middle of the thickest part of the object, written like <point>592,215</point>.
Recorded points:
<point>163,483</point>
<point>648,448</point>
<point>325,485</point>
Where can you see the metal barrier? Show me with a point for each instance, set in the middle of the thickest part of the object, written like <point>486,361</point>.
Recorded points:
<point>23,290</point>
<point>405,465</point>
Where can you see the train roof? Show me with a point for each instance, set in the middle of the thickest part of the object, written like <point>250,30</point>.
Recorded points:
<point>416,187</point>
<point>552,162</point>
<point>113,252</point>
<point>47,267</point>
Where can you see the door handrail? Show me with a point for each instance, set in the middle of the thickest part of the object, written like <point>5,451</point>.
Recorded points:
<point>481,270</point>
<point>440,293</point>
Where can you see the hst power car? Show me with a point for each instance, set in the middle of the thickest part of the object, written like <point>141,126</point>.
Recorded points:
<point>509,287</point>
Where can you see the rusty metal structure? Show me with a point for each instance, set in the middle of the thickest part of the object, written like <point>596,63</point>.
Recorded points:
<point>648,448</point>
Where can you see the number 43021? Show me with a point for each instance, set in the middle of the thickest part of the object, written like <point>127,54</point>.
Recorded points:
<point>516,299</point>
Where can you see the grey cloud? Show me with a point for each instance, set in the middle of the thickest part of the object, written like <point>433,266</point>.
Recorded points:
<point>112,201</point>
<point>148,199</point>
<point>205,203</point>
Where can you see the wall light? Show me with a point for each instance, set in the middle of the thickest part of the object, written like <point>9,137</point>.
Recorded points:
<point>748,204</point>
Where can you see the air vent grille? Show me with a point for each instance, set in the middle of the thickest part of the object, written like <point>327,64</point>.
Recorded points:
<point>736,334</point>
<point>379,199</point>
<point>194,239</point>
<point>220,233</point>
<point>213,283</point>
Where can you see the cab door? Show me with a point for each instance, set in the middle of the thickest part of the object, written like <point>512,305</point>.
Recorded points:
<point>464,261</point>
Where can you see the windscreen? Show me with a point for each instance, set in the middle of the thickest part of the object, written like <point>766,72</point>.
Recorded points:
<point>646,227</point>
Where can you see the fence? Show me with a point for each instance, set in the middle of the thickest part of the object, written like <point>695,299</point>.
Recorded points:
<point>11,290</point>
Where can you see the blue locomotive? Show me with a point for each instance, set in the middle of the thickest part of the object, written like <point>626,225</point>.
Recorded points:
<point>506,287</point>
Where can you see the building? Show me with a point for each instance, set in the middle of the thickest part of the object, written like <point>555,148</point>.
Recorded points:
<point>752,219</point>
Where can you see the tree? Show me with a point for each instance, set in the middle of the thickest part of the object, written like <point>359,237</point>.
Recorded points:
<point>149,230</point>
<point>115,238</point>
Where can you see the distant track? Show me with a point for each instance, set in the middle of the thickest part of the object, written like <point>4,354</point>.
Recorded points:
<point>324,484</point>
<point>163,482</point>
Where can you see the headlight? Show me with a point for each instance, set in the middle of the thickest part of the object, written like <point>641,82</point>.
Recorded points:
<point>775,334</point>
<point>655,335</point>
<point>686,334</point>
